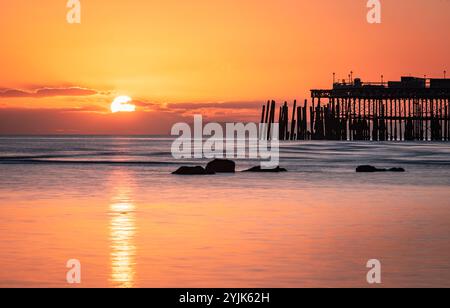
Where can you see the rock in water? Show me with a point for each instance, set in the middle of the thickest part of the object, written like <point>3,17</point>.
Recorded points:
<point>221,166</point>
<point>396,170</point>
<point>191,171</point>
<point>367,168</point>
<point>261,170</point>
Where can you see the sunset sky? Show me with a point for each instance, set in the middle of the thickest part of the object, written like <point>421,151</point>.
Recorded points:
<point>221,58</point>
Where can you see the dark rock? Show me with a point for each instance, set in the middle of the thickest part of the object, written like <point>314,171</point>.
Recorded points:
<point>396,170</point>
<point>191,171</point>
<point>368,168</point>
<point>221,166</point>
<point>259,169</point>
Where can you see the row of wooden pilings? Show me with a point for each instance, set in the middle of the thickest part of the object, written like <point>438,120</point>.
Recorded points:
<point>362,119</point>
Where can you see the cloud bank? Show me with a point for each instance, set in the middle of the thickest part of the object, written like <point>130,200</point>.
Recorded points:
<point>46,92</point>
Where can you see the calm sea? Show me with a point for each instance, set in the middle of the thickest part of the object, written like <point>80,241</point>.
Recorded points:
<point>111,203</point>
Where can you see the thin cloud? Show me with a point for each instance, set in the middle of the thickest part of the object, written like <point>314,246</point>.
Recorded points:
<point>85,109</point>
<point>47,92</point>
<point>145,104</point>
<point>92,108</point>
<point>217,105</point>
<point>197,106</point>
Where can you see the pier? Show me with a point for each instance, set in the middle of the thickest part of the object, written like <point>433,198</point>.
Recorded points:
<point>412,109</point>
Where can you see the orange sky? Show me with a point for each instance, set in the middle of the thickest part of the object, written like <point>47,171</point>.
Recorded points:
<point>176,58</point>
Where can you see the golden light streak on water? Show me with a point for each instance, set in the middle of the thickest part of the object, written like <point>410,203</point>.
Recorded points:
<point>122,236</point>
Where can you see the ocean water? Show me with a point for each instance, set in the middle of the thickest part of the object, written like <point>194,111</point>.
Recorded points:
<point>113,204</point>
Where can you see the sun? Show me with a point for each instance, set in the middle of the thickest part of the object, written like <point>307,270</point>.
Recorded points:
<point>122,104</point>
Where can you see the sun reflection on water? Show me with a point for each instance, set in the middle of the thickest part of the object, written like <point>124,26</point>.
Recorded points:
<point>122,237</point>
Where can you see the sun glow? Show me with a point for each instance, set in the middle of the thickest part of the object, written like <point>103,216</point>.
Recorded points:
<point>122,104</point>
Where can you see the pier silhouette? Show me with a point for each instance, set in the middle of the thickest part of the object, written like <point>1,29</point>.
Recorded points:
<point>406,110</point>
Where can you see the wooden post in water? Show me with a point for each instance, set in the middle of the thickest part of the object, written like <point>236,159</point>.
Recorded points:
<point>427,119</point>
<point>293,120</point>
<point>299,123</point>
<point>286,121</point>
<point>448,120</point>
<point>390,119</point>
<point>432,134</point>
<point>444,120</point>
<point>422,126</point>
<point>311,120</point>
<point>395,119</point>
<point>263,113</point>
<point>401,118</point>
<point>305,120</point>
<point>405,113</point>
<point>267,112</point>
<point>441,131</point>
<point>369,117</point>
<point>376,120</point>
<point>319,120</point>
<point>271,120</point>
<point>385,121</point>
<point>446,132</point>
